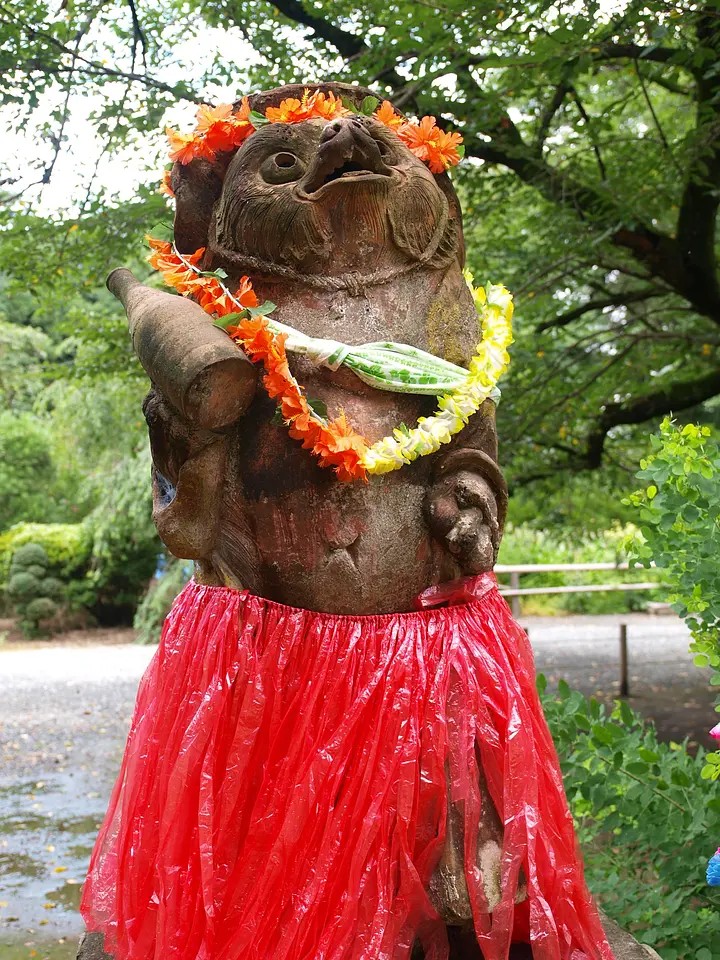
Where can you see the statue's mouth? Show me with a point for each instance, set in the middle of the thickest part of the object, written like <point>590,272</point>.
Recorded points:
<point>349,154</point>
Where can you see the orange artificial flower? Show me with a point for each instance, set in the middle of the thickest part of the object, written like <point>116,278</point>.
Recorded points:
<point>218,130</point>
<point>385,113</point>
<point>419,137</point>
<point>431,144</point>
<point>341,447</point>
<point>243,113</point>
<point>208,116</point>
<point>326,106</point>
<point>445,154</point>
<point>174,272</point>
<point>290,110</point>
<point>317,105</point>
<point>221,129</point>
<point>183,146</point>
<point>182,274</point>
<point>166,185</point>
<point>245,294</point>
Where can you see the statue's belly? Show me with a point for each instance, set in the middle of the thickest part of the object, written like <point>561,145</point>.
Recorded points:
<point>353,551</point>
<point>353,548</point>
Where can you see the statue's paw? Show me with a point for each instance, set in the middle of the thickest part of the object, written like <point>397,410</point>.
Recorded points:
<point>463,515</point>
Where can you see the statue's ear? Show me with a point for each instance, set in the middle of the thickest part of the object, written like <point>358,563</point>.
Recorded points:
<point>197,187</point>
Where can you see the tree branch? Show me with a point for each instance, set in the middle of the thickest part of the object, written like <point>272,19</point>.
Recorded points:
<point>670,399</point>
<point>633,51</point>
<point>548,115</point>
<point>697,217</point>
<point>658,127</point>
<point>616,300</point>
<point>586,117</point>
<point>92,66</point>
<point>348,45</point>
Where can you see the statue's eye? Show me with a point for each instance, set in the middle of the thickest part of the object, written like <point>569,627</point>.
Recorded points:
<point>282,167</point>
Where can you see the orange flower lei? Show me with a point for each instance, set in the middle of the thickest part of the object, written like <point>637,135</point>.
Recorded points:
<point>334,442</point>
<point>184,274</point>
<point>219,130</point>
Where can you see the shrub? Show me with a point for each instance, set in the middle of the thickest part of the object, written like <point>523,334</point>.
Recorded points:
<point>107,560</point>
<point>32,592</point>
<point>67,546</point>
<point>125,545</point>
<point>643,815</point>
<point>156,603</point>
<point>26,469</point>
<point>679,515</point>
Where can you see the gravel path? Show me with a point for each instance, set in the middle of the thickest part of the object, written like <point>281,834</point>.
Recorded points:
<point>65,709</point>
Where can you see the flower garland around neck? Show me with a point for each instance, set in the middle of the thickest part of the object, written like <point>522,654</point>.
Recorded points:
<point>384,365</point>
<point>219,130</point>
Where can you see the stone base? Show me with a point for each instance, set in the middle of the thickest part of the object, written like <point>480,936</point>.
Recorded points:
<point>624,947</point>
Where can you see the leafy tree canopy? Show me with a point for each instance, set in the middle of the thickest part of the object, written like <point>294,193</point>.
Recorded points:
<point>590,186</point>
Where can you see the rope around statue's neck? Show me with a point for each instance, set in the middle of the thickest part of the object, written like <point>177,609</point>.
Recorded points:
<point>354,283</point>
<point>384,365</point>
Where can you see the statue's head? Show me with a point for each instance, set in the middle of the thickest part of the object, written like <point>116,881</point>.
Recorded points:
<point>318,198</point>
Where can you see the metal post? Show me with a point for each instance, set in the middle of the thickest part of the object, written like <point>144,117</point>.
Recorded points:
<point>515,601</point>
<point>624,680</point>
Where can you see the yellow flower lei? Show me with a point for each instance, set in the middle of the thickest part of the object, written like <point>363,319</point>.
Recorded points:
<point>495,310</point>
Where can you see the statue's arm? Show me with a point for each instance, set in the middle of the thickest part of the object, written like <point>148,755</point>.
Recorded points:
<point>466,505</point>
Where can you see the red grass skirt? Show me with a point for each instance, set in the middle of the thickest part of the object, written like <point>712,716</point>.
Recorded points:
<point>283,793</point>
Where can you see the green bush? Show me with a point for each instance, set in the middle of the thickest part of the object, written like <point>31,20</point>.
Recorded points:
<point>679,515</point>
<point>107,560</point>
<point>645,818</point>
<point>26,469</point>
<point>32,592</point>
<point>67,546</point>
<point>124,542</point>
<point>156,603</point>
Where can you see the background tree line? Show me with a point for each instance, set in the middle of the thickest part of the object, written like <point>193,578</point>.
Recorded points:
<point>590,189</point>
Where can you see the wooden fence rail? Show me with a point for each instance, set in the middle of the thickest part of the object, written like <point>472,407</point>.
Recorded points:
<point>515,591</point>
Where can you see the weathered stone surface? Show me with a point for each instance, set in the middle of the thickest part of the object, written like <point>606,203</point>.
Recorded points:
<point>92,947</point>
<point>354,239</point>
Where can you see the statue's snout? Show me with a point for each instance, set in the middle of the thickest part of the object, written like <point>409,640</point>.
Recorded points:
<point>350,152</point>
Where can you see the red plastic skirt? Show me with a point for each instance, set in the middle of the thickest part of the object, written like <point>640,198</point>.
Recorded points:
<point>283,794</point>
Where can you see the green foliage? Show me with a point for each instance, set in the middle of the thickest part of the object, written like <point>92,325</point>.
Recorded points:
<point>645,818</point>
<point>526,544</point>
<point>125,544</point>
<point>679,515</point>
<point>26,470</point>
<point>158,600</point>
<point>67,546</point>
<point>108,558</point>
<point>32,592</point>
<point>23,350</point>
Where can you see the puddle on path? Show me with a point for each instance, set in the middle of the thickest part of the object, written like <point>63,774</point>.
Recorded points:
<point>47,831</point>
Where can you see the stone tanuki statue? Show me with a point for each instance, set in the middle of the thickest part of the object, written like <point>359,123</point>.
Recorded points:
<point>338,751</point>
